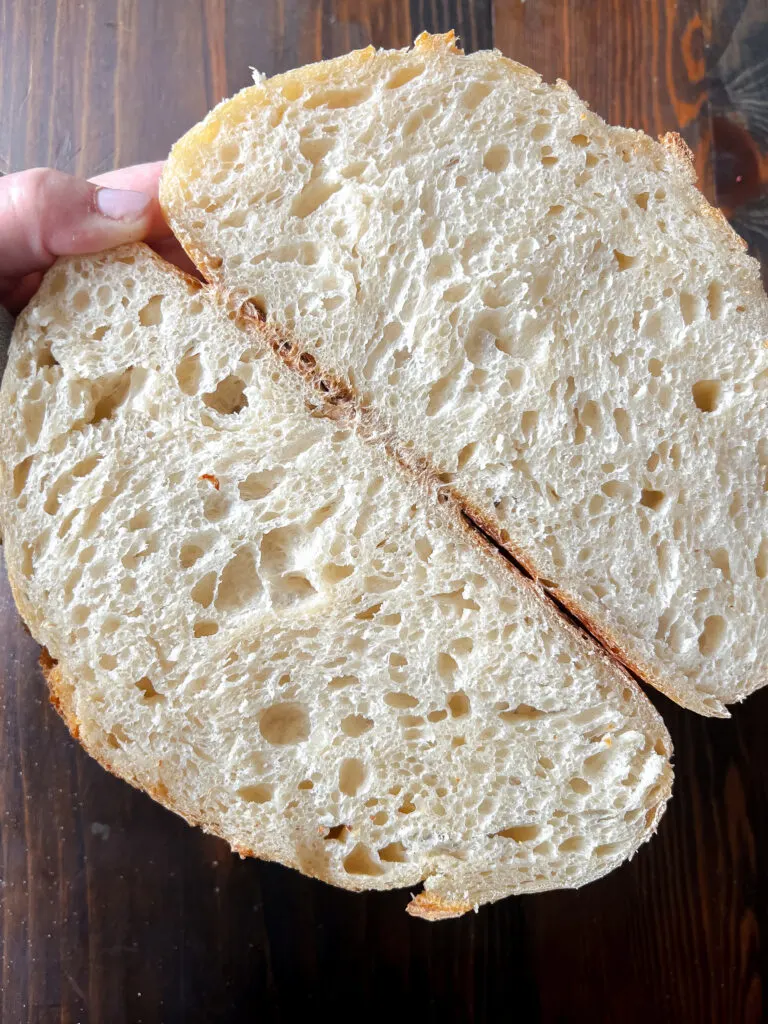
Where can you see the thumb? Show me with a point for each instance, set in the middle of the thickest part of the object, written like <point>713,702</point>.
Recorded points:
<point>45,214</point>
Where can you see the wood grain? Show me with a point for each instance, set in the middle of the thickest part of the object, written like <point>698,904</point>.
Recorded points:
<point>111,909</point>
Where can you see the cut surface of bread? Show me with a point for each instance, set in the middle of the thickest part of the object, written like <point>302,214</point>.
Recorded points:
<point>256,614</point>
<point>541,305</point>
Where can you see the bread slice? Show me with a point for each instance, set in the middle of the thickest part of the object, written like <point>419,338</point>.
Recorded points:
<point>541,305</point>
<point>259,617</point>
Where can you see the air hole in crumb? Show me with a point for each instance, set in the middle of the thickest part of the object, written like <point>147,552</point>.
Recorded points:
<point>333,573</point>
<point>188,374</point>
<point>475,94</point>
<point>291,587</point>
<point>339,682</point>
<point>189,554</point>
<point>522,713</point>
<point>573,845</point>
<point>394,853</point>
<point>151,315</point>
<point>313,196</point>
<point>706,394</point>
<point>688,307</point>
<point>712,635</point>
<point>400,700</point>
<point>203,590</point>
<point>529,422</point>
<point>239,583</point>
<point>580,786</point>
<point>337,99</point>
<point>256,306</point>
<point>761,560</point>
<point>624,261</point>
<point>652,499</point>
<point>150,693</point>
<point>236,219</point>
<point>496,159</point>
<point>607,850</point>
<point>446,667</point>
<point>292,89</point>
<point>520,833</point>
<point>109,393</point>
<point>20,475</point>
<point>285,724</point>
<point>715,301</point>
<point>623,424</point>
<point>440,393</point>
<point>229,396</point>
<point>361,862</point>
<point>117,737</point>
<point>261,793</point>
<point>337,834</point>
<point>642,200</point>
<point>597,763</point>
<point>404,75</point>
<point>356,725</point>
<point>205,627</point>
<point>352,776</point>
<point>580,140</point>
<point>458,704</point>
<point>140,521</point>
<point>257,486</point>
<point>616,489</point>
<point>721,560</point>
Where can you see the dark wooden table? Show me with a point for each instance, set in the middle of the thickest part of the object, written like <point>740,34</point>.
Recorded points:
<point>113,910</point>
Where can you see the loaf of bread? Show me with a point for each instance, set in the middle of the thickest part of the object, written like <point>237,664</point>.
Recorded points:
<point>253,610</point>
<point>541,308</point>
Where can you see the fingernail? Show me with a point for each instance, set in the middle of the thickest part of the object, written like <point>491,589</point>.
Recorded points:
<point>121,203</point>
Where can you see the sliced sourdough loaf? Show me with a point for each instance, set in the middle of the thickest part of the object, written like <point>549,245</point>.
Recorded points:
<point>540,305</point>
<point>262,619</point>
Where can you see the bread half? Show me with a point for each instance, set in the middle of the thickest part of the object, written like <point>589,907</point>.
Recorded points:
<point>541,306</point>
<point>255,613</point>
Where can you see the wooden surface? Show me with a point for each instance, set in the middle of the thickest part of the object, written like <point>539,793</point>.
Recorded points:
<point>114,911</point>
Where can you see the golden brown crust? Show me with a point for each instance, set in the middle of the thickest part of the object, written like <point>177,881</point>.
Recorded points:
<point>60,693</point>
<point>431,907</point>
<point>445,43</point>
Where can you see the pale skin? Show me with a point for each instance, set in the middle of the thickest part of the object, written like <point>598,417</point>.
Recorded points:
<point>45,214</point>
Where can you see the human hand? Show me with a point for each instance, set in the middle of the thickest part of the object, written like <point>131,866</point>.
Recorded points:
<point>45,214</point>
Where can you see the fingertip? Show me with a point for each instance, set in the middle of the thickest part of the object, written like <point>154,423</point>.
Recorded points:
<point>122,204</point>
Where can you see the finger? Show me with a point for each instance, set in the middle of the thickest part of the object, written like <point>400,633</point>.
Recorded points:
<point>45,214</point>
<point>15,299</point>
<point>140,178</point>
